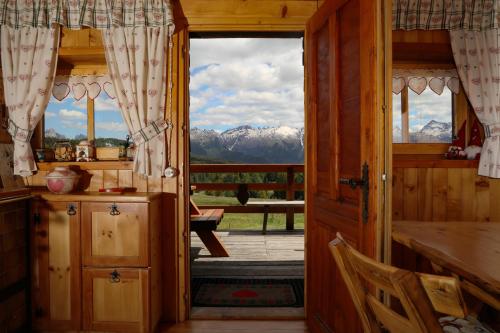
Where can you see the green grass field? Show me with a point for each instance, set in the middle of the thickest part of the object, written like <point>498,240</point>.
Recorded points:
<point>245,221</point>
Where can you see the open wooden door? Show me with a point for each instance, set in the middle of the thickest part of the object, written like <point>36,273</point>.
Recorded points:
<point>344,130</point>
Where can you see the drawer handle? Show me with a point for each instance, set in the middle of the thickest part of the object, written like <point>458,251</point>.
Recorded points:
<point>114,210</point>
<point>71,209</point>
<point>115,277</point>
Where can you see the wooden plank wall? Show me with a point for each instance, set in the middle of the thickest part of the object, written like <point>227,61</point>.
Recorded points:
<point>444,194</point>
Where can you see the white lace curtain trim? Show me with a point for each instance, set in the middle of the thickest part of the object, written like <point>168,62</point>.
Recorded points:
<point>419,79</point>
<point>79,86</point>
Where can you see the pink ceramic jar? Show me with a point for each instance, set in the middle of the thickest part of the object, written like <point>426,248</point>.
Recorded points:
<point>62,180</point>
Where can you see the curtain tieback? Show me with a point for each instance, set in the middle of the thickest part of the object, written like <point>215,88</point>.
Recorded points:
<point>149,132</point>
<point>18,133</point>
<point>492,130</point>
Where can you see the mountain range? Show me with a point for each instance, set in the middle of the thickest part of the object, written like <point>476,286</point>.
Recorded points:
<point>433,132</point>
<point>247,144</point>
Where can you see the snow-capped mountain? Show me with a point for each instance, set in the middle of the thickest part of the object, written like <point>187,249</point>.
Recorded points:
<point>247,144</point>
<point>51,133</point>
<point>433,131</point>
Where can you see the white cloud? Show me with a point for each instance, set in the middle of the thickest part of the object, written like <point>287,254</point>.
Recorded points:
<point>112,126</point>
<point>81,104</point>
<point>246,81</point>
<point>74,125</point>
<point>49,114</point>
<point>102,104</point>
<point>72,115</point>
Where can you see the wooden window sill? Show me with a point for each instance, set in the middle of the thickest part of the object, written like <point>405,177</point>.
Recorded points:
<point>408,161</point>
<point>97,165</point>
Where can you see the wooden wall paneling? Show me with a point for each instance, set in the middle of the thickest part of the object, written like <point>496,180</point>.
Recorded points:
<point>155,184</point>
<point>209,15</point>
<point>424,194</point>
<point>494,200</point>
<point>97,180</point>
<point>125,178</point>
<point>454,199</point>
<point>410,194</point>
<point>439,193</point>
<point>468,194</point>
<point>482,199</point>
<point>110,178</point>
<point>397,194</point>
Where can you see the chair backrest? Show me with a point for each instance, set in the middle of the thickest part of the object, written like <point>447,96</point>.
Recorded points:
<point>362,273</point>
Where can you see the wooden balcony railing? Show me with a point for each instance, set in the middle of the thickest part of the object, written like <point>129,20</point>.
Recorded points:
<point>290,186</point>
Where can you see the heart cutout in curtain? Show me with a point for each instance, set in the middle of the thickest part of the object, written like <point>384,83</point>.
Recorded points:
<point>79,90</point>
<point>60,91</point>
<point>109,89</point>
<point>93,90</point>
<point>398,84</point>
<point>454,85</point>
<point>418,84</point>
<point>437,85</point>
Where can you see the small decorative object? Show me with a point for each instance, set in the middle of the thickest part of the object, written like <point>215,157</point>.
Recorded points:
<point>63,151</point>
<point>455,153</point>
<point>108,153</point>
<point>473,151</point>
<point>112,190</point>
<point>62,180</point>
<point>85,151</point>
<point>459,140</point>
<point>40,155</point>
<point>170,172</point>
<point>122,153</point>
<point>129,149</point>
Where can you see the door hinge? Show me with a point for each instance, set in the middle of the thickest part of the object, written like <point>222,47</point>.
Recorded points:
<point>37,219</point>
<point>384,108</point>
<point>384,177</point>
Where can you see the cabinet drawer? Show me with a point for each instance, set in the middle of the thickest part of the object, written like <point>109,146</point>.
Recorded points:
<point>115,234</point>
<point>116,299</point>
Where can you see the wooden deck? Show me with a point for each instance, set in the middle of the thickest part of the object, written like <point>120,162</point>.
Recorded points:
<point>278,253</point>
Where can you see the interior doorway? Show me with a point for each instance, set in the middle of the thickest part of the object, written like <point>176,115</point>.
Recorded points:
<point>247,175</point>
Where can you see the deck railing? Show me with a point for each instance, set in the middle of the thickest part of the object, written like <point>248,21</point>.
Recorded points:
<point>290,186</point>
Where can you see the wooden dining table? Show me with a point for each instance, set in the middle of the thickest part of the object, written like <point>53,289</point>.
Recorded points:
<point>470,250</point>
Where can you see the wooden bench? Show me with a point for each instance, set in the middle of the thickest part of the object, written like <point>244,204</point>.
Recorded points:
<point>291,206</point>
<point>204,222</point>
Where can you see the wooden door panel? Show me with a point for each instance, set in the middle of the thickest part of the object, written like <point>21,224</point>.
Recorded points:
<point>56,266</point>
<point>340,132</point>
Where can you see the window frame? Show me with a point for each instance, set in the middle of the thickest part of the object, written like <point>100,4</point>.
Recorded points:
<point>459,112</point>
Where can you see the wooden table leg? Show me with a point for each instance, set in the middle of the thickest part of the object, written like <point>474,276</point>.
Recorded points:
<point>264,224</point>
<point>213,243</point>
<point>290,216</point>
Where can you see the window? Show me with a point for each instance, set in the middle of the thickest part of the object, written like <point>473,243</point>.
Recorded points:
<point>73,121</point>
<point>424,118</point>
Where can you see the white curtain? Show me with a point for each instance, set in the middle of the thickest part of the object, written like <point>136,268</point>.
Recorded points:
<point>477,56</point>
<point>137,59</point>
<point>29,60</point>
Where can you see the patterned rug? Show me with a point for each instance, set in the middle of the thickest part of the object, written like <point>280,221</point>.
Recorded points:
<point>219,292</point>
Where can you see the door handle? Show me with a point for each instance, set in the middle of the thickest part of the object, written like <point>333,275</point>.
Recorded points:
<point>364,184</point>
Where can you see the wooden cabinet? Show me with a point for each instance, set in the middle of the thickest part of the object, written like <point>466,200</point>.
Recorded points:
<point>56,265</point>
<point>116,299</point>
<point>113,283</point>
<point>115,234</point>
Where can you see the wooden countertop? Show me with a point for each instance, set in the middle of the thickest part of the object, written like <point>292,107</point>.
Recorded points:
<point>99,196</point>
<point>469,249</point>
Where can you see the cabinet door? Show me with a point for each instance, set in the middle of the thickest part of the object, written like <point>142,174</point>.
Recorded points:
<point>56,279</point>
<point>116,299</point>
<point>115,234</point>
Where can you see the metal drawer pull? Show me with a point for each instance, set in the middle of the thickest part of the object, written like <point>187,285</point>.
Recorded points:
<point>114,210</point>
<point>115,277</point>
<point>71,209</point>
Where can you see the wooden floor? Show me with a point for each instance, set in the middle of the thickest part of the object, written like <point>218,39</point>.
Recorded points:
<point>237,326</point>
<point>278,253</point>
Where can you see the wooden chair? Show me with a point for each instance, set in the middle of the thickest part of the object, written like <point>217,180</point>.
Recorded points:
<point>421,295</point>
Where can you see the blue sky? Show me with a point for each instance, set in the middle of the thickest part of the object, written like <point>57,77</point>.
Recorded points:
<point>246,81</point>
<point>424,108</point>
<point>69,117</point>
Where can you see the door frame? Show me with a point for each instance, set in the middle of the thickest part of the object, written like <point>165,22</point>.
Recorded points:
<point>382,171</point>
